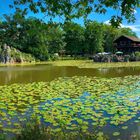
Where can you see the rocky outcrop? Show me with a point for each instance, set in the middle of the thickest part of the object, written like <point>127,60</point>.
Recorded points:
<point>5,54</point>
<point>111,58</point>
<point>11,55</point>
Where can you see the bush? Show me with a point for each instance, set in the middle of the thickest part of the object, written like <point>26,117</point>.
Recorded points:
<point>126,58</point>
<point>132,57</point>
<point>137,55</point>
<point>19,57</point>
<point>54,56</point>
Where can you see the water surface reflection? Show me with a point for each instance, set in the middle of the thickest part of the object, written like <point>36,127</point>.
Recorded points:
<point>36,73</point>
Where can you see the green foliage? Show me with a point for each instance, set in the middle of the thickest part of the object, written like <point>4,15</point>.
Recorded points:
<point>42,40</point>
<point>64,101</point>
<point>15,56</point>
<point>2,137</point>
<point>18,56</point>
<point>137,54</point>
<point>94,37</point>
<point>110,34</point>
<point>127,31</point>
<point>55,37</point>
<point>31,36</point>
<point>33,131</point>
<point>74,9</point>
<point>74,38</point>
<point>34,38</point>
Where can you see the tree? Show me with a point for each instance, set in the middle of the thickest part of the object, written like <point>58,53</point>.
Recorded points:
<point>74,38</point>
<point>110,34</point>
<point>55,37</point>
<point>35,38</point>
<point>127,31</point>
<point>32,35</point>
<point>27,35</point>
<point>94,38</point>
<point>9,31</point>
<point>80,8</point>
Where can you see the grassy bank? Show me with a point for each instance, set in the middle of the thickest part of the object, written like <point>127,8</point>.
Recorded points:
<point>91,64</point>
<point>80,64</point>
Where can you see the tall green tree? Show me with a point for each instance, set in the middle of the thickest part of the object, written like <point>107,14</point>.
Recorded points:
<point>94,38</point>
<point>110,34</point>
<point>10,30</point>
<point>55,37</point>
<point>74,38</point>
<point>35,38</point>
<point>32,35</point>
<point>27,35</point>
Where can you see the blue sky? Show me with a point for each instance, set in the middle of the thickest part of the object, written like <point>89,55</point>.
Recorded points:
<point>4,9</point>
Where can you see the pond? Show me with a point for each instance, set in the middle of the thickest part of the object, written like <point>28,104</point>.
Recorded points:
<point>107,105</point>
<point>37,73</point>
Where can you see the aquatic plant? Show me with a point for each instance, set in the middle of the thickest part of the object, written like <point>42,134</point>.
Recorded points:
<point>71,104</point>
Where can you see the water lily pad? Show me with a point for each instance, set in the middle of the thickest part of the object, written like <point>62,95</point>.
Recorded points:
<point>116,133</point>
<point>124,127</point>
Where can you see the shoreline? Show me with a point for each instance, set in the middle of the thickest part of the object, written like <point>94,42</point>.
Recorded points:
<point>78,63</point>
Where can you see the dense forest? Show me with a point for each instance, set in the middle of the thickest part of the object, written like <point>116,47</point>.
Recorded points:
<point>43,40</point>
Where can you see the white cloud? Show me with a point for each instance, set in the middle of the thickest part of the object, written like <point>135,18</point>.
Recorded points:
<point>135,28</point>
<point>107,22</point>
<point>135,11</point>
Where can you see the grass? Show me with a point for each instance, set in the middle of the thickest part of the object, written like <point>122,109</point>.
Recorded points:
<point>80,64</point>
<point>91,64</point>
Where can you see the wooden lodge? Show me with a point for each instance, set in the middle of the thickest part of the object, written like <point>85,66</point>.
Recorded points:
<point>127,44</point>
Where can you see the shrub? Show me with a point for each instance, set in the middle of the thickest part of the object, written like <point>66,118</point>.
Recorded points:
<point>137,55</point>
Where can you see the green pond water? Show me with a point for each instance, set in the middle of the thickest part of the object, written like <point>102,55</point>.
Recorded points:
<point>101,101</point>
<point>37,73</point>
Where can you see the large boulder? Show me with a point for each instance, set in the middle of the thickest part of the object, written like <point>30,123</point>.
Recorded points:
<point>11,55</point>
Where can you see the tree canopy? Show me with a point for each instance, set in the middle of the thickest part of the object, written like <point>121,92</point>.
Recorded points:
<point>43,40</point>
<point>80,8</point>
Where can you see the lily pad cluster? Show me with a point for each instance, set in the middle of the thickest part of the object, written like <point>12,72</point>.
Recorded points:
<point>71,103</point>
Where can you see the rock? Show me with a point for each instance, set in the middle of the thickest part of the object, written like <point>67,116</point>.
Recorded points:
<point>11,55</point>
